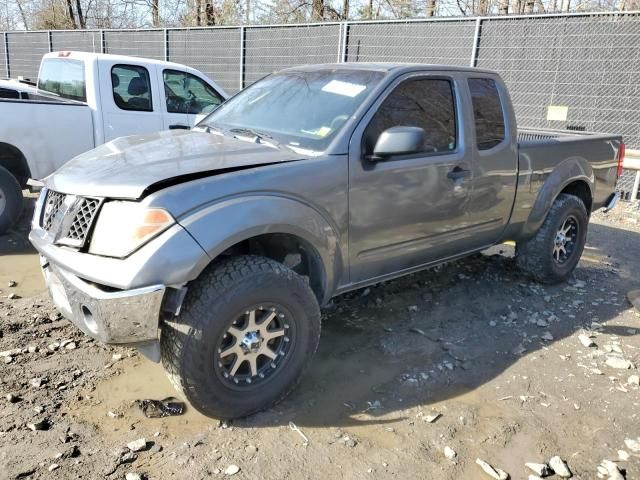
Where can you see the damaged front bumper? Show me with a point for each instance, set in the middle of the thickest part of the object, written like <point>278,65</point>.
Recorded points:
<point>107,315</point>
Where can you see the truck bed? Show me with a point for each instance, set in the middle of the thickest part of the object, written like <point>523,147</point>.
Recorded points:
<point>527,136</point>
<point>559,156</point>
<point>42,128</point>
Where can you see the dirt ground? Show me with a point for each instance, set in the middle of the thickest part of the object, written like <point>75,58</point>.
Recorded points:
<point>496,356</point>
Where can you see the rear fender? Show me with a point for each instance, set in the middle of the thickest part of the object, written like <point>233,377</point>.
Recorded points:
<point>570,170</point>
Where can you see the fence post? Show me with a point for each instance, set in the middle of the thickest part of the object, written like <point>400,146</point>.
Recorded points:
<point>50,34</point>
<point>103,42</point>
<point>6,54</point>
<point>243,33</point>
<point>166,45</point>
<point>344,40</point>
<point>476,42</point>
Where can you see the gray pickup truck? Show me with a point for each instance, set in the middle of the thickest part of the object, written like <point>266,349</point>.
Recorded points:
<point>213,249</point>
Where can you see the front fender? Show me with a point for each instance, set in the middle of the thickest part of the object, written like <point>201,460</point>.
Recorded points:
<point>568,171</point>
<point>221,225</point>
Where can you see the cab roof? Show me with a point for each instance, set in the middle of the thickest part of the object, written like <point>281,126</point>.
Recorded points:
<point>116,58</point>
<point>388,67</point>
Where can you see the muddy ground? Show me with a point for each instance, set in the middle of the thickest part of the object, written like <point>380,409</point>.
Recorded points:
<point>496,356</point>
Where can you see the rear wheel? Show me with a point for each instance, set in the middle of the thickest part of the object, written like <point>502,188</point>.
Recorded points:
<point>248,329</point>
<point>553,253</point>
<point>10,200</point>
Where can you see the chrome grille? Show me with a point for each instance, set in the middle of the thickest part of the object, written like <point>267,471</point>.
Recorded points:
<point>51,207</point>
<point>78,215</point>
<point>83,219</point>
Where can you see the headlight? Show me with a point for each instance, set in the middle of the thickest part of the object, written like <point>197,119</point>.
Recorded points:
<point>123,227</point>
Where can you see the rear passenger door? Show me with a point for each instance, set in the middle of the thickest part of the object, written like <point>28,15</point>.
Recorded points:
<point>129,99</point>
<point>495,158</point>
<point>410,210</point>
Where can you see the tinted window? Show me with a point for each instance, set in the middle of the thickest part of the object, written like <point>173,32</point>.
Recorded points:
<point>487,111</point>
<point>424,103</point>
<point>63,77</point>
<point>186,93</point>
<point>8,93</point>
<point>131,88</point>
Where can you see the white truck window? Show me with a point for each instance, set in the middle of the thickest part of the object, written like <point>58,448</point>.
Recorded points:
<point>131,88</point>
<point>186,93</point>
<point>63,77</point>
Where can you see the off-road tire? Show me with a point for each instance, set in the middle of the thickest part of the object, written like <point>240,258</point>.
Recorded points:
<point>11,201</point>
<point>535,256</point>
<point>188,342</point>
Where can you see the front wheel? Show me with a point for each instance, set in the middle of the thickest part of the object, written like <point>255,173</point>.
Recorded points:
<point>553,253</point>
<point>247,330</point>
<point>10,200</point>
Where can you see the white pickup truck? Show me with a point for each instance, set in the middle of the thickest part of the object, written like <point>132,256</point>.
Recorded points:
<point>83,100</point>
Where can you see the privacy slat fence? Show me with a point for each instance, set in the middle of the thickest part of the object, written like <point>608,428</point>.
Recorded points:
<point>588,63</point>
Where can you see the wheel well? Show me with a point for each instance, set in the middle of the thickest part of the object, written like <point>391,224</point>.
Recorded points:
<point>290,250</point>
<point>581,190</point>
<point>13,160</point>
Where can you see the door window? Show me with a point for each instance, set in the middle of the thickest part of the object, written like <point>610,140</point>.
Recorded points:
<point>424,103</point>
<point>186,93</point>
<point>131,88</point>
<point>487,112</point>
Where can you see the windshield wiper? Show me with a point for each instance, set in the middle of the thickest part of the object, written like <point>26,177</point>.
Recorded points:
<point>209,128</point>
<point>259,137</point>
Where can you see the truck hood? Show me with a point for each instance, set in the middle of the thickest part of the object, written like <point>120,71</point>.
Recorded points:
<point>131,167</point>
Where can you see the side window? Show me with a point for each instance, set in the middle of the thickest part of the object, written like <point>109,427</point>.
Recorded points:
<point>186,93</point>
<point>131,88</point>
<point>487,112</point>
<point>8,93</point>
<point>424,103</point>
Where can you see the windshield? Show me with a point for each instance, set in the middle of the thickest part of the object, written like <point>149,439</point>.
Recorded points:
<point>63,77</point>
<point>298,109</point>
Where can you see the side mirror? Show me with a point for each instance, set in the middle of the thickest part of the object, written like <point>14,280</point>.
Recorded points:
<point>399,141</point>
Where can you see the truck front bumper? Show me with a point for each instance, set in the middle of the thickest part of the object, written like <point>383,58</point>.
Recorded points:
<point>107,315</point>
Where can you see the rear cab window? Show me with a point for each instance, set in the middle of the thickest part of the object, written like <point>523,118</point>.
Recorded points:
<point>63,77</point>
<point>487,112</point>
<point>131,87</point>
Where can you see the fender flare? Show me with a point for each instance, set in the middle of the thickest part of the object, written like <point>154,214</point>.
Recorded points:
<point>218,226</point>
<point>571,170</point>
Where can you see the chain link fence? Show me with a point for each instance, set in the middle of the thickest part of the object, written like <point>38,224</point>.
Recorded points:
<point>442,42</point>
<point>587,66</point>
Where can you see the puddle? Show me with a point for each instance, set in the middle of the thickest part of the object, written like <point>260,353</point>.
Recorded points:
<point>140,379</point>
<point>23,268</point>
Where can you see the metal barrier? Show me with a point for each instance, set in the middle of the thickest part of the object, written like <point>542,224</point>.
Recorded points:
<point>629,182</point>
<point>585,66</point>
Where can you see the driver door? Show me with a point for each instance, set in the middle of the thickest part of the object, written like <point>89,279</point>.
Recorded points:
<point>409,210</point>
<point>187,98</point>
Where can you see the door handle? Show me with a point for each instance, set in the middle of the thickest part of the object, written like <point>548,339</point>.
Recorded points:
<point>458,173</point>
<point>178,126</point>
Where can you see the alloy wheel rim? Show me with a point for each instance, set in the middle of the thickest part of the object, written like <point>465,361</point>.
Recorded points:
<point>254,346</point>
<point>565,241</point>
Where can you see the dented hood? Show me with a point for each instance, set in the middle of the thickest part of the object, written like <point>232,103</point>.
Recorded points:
<point>129,167</point>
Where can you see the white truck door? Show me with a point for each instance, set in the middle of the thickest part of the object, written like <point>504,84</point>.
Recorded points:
<point>131,102</point>
<point>187,98</point>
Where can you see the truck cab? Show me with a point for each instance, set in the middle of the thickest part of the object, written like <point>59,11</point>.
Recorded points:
<point>129,95</point>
